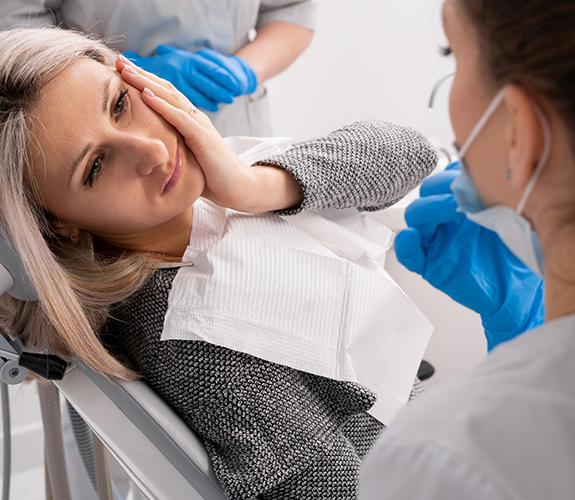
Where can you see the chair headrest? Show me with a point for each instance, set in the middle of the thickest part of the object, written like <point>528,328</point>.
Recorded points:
<point>10,264</point>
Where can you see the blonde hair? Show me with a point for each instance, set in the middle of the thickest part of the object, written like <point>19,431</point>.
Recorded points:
<point>75,288</point>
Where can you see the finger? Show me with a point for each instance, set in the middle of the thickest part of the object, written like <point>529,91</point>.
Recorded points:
<point>454,165</point>
<point>122,62</point>
<point>200,100</point>
<point>438,183</point>
<point>215,56</point>
<point>211,89</point>
<point>181,120</point>
<point>428,213</point>
<point>218,74</point>
<point>409,251</point>
<point>166,49</point>
<point>132,57</point>
<point>141,79</point>
<point>164,90</point>
<point>190,123</point>
<point>209,68</point>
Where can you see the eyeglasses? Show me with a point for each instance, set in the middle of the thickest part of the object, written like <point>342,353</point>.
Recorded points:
<point>437,86</point>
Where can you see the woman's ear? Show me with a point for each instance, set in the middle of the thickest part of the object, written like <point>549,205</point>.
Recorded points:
<point>65,231</point>
<point>526,139</point>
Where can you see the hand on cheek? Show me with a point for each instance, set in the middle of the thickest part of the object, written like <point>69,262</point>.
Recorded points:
<point>229,182</point>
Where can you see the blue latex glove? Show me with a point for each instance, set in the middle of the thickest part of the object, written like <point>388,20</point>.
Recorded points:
<point>238,68</point>
<point>203,81</point>
<point>468,262</point>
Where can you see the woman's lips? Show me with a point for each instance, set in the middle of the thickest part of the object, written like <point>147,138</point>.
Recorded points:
<point>174,176</point>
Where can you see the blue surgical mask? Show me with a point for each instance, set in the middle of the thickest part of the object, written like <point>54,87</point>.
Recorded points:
<point>513,229</point>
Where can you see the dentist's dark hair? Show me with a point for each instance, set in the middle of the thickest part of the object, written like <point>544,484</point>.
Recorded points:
<point>530,43</point>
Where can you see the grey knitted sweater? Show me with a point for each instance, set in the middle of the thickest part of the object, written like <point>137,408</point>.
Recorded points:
<point>272,431</point>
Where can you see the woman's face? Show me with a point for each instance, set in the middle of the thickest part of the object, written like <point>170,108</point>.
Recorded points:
<point>106,163</point>
<point>471,94</point>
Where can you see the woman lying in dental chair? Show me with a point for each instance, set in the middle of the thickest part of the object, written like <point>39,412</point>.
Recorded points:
<point>102,166</point>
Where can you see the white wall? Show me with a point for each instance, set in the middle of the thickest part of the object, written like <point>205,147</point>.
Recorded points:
<point>368,59</point>
<point>380,59</point>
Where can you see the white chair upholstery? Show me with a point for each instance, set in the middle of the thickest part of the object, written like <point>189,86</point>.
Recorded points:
<point>149,440</point>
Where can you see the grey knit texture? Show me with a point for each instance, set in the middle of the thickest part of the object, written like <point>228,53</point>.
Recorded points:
<point>369,165</point>
<point>272,431</point>
<point>269,430</point>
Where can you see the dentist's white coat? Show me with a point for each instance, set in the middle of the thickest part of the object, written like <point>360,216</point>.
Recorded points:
<point>504,431</point>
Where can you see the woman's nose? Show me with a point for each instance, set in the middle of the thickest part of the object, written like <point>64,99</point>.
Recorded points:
<point>146,153</point>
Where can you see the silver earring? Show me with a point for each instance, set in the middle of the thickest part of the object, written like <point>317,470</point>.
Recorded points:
<point>74,239</point>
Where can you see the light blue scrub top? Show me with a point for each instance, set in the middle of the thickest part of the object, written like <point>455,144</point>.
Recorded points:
<point>141,25</point>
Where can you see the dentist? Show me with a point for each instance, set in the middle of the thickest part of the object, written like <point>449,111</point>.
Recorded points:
<point>505,430</point>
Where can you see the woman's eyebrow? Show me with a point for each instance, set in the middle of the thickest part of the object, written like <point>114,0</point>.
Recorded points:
<point>77,162</point>
<point>106,94</point>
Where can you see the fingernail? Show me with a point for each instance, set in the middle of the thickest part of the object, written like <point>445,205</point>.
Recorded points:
<point>130,70</point>
<point>124,59</point>
<point>147,91</point>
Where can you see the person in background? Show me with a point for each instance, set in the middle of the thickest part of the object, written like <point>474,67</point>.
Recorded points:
<point>505,430</point>
<point>202,47</point>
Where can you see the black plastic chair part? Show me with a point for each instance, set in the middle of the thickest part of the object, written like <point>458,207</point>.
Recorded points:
<point>425,371</point>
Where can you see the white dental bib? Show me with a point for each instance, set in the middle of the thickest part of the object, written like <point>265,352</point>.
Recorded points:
<point>304,291</point>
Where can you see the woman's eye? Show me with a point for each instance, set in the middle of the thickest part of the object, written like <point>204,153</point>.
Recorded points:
<point>94,171</point>
<point>120,103</point>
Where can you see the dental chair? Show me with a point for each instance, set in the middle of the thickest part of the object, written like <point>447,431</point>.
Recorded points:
<point>158,451</point>
<point>154,446</point>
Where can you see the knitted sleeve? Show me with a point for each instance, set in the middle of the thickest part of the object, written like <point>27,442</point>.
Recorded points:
<point>369,165</point>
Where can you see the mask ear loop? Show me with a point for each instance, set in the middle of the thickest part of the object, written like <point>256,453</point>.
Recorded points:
<point>482,121</point>
<point>542,160</point>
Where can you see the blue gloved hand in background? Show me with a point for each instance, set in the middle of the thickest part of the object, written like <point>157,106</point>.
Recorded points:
<point>206,78</point>
<point>468,262</point>
<point>239,69</point>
